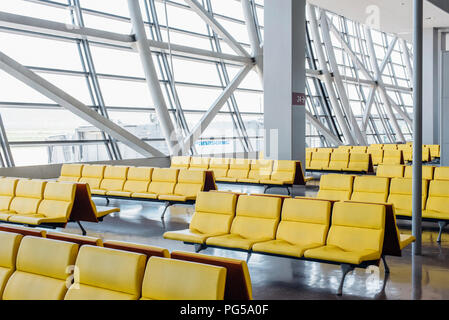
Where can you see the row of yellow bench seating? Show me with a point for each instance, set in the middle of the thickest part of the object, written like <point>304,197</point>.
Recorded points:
<point>401,171</point>
<point>395,191</point>
<point>35,265</point>
<point>170,185</point>
<point>250,171</point>
<point>350,234</point>
<point>49,203</point>
<point>348,162</point>
<point>385,155</point>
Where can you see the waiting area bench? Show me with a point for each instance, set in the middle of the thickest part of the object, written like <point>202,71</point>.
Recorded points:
<point>269,173</point>
<point>343,233</point>
<point>396,191</point>
<point>47,204</point>
<point>166,185</point>
<point>77,269</point>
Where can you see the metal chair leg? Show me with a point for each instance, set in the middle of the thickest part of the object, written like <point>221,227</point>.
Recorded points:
<point>265,189</point>
<point>166,205</point>
<point>345,268</point>
<point>387,269</point>
<point>199,247</point>
<point>82,229</point>
<point>289,192</point>
<point>442,225</point>
<point>107,201</point>
<point>248,256</point>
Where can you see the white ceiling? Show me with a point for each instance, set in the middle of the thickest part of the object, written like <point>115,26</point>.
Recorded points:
<point>395,16</point>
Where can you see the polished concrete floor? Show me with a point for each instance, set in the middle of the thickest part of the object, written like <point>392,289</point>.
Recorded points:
<point>424,277</point>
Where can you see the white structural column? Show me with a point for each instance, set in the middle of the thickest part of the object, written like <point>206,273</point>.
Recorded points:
<point>339,81</point>
<point>430,86</point>
<point>444,119</point>
<point>168,130</point>
<point>383,93</point>
<point>253,36</point>
<point>327,78</point>
<point>44,87</point>
<point>284,79</point>
<point>207,118</point>
<point>217,27</point>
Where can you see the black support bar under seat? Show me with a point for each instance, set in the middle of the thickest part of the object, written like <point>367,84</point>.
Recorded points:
<point>200,247</point>
<point>442,225</point>
<point>345,268</point>
<point>81,227</point>
<point>387,269</point>
<point>166,205</point>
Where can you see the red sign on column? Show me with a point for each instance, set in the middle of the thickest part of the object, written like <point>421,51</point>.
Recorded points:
<point>299,99</point>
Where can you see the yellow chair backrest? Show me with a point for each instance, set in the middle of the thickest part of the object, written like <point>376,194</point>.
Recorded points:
<point>438,199</point>
<point>199,163</point>
<point>138,179</point>
<point>114,178</point>
<point>58,200</point>
<point>335,187</point>
<point>7,192</point>
<point>441,173</point>
<point>370,189</point>
<point>92,175</point>
<point>163,181</point>
<point>427,172</point>
<point>181,162</point>
<point>8,254</point>
<point>29,194</point>
<point>284,170</point>
<point>71,172</point>
<point>401,193</point>
<point>190,182</point>
<point>390,171</point>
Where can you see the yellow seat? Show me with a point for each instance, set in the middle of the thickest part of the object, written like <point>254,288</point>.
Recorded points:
<point>339,161</point>
<point>55,207</point>
<point>390,147</point>
<point>214,212</point>
<point>437,206</point>
<point>359,149</point>
<point>344,149</point>
<point>29,195</point>
<point>441,173</point>
<point>163,181</point>
<point>426,155</point>
<point>335,187</point>
<point>370,189</point>
<point>199,163</point>
<point>304,226</point>
<point>190,183</point>
<point>260,170</point>
<point>238,169</point>
<point>113,180</point>
<point>284,172</point>
<point>358,162</point>
<point>427,172</point>
<point>356,234</point>
<point>401,195</point>
<point>434,150</point>
<point>325,150</point>
<point>7,192</point>
<point>219,166</point>
<point>42,270</point>
<point>308,158</point>
<point>137,181</point>
<point>70,172</point>
<point>390,171</point>
<point>92,174</point>
<point>377,155</point>
<point>107,274</point>
<point>170,279</point>
<point>376,146</point>
<point>181,162</point>
<point>320,161</point>
<point>256,220</point>
<point>8,253</point>
<point>392,157</point>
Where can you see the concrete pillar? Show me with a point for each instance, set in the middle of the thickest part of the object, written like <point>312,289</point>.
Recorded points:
<point>284,79</point>
<point>444,112</point>
<point>430,86</point>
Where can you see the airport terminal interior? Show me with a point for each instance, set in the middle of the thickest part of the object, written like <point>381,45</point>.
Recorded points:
<point>224,150</point>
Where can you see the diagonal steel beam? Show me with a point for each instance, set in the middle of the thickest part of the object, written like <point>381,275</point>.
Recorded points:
<point>217,27</point>
<point>253,35</point>
<point>388,55</point>
<point>52,92</point>
<point>168,129</point>
<point>324,131</point>
<point>207,118</point>
<point>369,106</point>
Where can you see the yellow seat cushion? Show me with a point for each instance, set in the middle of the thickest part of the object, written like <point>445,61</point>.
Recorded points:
<point>103,273</point>
<point>335,187</point>
<point>358,162</point>
<point>219,166</point>
<point>401,195</point>
<point>437,206</point>
<point>144,195</point>
<point>125,194</point>
<point>353,237</point>
<point>163,181</point>
<point>102,211</point>
<point>339,161</point>
<point>441,173</point>
<point>29,195</point>
<point>427,172</point>
<point>190,183</point>
<point>70,172</point>
<point>7,192</point>
<point>256,221</point>
<point>114,178</point>
<point>320,161</point>
<point>370,189</point>
<point>377,155</point>
<point>8,253</point>
<point>98,192</point>
<point>284,172</point>
<point>42,268</point>
<point>392,156</point>
<point>390,171</point>
<point>304,225</point>
<point>137,182</point>
<point>199,163</point>
<point>238,169</point>
<point>180,162</point>
<point>405,240</point>
<point>171,279</point>
<point>260,170</point>
<point>214,212</point>
<point>92,174</point>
